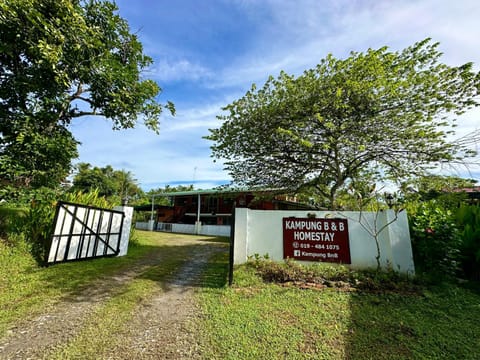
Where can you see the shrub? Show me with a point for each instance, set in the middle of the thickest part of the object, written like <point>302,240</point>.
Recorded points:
<point>38,223</point>
<point>272,271</point>
<point>332,275</point>
<point>468,220</point>
<point>10,224</point>
<point>435,239</point>
<point>37,226</point>
<point>91,198</point>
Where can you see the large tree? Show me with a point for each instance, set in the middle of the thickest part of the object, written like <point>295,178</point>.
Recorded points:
<point>378,114</point>
<point>118,185</point>
<point>87,179</point>
<point>59,60</point>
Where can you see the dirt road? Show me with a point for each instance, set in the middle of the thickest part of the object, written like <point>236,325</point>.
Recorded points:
<point>159,329</point>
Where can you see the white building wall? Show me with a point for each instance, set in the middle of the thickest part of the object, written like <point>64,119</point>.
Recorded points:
<point>261,232</point>
<point>214,230</point>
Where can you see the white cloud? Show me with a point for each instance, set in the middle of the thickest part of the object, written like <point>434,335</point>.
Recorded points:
<point>298,34</point>
<point>202,117</point>
<point>169,71</point>
<point>290,36</point>
<point>178,153</point>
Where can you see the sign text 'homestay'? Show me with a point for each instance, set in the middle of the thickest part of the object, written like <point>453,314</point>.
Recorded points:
<point>312,239</point>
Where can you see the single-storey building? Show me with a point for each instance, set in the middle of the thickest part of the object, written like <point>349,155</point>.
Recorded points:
<point>214,206</point>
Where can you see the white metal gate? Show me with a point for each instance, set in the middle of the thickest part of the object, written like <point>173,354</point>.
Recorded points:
<point>84,232</point>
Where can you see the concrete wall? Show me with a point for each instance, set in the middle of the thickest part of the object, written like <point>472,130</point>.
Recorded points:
<point>215,230</point>
<point>142,226</point>
<point>198,229</point>
<point>127,225</point>
<point>181,228</point>
<point>261,232</point>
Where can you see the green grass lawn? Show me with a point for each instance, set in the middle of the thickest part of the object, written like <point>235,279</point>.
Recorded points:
<point>27,289</point>
<point>255,320</point>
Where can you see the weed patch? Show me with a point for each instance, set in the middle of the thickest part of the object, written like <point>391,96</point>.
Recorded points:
<point>321,276</point>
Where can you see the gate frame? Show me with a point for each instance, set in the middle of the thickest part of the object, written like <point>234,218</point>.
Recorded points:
<point>231,255</point>
<point>60,204</point>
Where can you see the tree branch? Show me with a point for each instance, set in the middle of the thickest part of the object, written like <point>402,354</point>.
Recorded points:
<point>83,113</point>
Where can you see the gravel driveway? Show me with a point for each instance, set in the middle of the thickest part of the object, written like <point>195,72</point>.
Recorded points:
<point>160,328</point>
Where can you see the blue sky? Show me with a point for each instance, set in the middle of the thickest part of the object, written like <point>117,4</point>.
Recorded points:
<point>208,53</point>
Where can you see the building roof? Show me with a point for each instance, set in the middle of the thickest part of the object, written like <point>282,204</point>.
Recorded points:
<point>216,191</point>
<point>474,189</point>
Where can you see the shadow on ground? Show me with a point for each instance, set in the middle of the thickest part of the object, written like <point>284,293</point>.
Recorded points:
<point>440,323</point>
<point>179,262</point>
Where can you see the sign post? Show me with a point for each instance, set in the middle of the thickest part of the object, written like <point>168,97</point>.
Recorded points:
<point>311,239</point>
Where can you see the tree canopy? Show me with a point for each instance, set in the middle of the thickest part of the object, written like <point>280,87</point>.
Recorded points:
<point>434,186</point>
<point>118,185</point>
<point>378,113</point>
<point>59,60</point>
